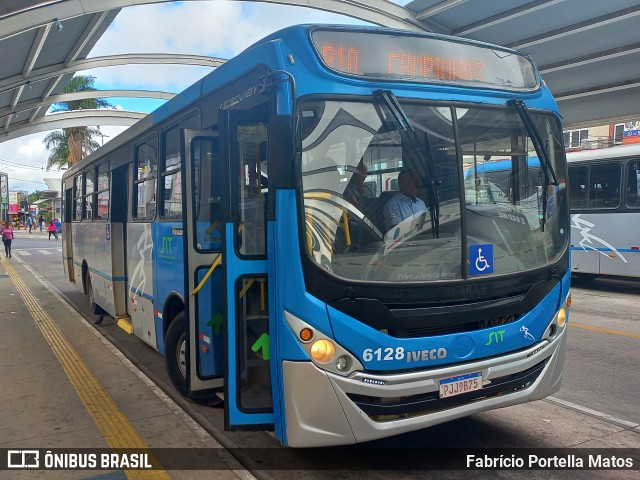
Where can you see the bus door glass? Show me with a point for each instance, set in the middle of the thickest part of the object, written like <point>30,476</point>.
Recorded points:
<point>204,288</point>
<point>248,388</point>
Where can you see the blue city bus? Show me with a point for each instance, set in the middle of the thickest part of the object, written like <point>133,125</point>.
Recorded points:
<point>296,235</point>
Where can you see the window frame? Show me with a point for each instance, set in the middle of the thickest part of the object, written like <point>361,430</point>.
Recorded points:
<point>191,121</point>
<point>99,191</point>
<point>590,180</point>
<point>88,216</point>
<point>627,179</point>
<point>78,180</point>
<point>163,172</point>
<point>151,141</point>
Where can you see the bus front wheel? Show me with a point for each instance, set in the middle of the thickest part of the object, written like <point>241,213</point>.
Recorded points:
<point>176,350</point>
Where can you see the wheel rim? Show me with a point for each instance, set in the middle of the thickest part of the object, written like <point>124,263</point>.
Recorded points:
<point>181,356</point>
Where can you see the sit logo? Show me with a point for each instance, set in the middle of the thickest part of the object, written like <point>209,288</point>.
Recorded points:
<point>166,245</point>
<point>498,336</point>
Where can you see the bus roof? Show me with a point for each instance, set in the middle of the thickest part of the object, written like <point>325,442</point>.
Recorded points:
<point>604,153</point>
<point>300,40</point>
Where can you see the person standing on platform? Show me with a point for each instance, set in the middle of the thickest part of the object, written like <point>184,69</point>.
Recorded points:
<point>7,236</point>
<point>52,230</point>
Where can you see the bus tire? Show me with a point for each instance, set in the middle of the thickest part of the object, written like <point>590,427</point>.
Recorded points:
<point>90,296</point>
<point>93,306</point>
<point>175,343</point>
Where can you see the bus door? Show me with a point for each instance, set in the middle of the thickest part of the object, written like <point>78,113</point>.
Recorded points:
<point>248,297</point>
<point>226,231</point>
<point>203,256</point>
<point>67,237</point>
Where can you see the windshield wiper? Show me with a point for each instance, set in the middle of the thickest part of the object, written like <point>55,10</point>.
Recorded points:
<point>421,152</point>
<point>543,153</point>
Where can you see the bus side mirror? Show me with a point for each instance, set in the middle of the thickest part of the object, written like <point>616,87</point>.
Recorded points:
<point>281,141</point>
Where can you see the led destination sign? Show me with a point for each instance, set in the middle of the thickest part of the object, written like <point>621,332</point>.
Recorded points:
<point>424,59</point>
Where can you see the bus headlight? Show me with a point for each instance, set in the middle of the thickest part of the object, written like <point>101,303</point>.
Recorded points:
<point>559,321</point>
<point>562,317</point>
<point>323,350</point>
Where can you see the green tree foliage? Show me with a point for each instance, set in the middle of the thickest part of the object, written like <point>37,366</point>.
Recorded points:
<point>69,145</point>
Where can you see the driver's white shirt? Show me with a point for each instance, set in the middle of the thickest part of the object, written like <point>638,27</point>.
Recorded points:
<point>401,207</point>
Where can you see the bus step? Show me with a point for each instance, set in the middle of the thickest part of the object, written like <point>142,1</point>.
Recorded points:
<point>125,324</point>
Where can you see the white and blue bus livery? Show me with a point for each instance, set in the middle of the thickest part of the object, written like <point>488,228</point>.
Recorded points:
<point>242,230</point>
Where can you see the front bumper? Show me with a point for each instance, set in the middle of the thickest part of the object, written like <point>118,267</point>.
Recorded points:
<point>324,409</point>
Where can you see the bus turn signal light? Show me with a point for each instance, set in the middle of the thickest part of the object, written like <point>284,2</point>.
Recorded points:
<point>306,334</point>
<point>323,350</point>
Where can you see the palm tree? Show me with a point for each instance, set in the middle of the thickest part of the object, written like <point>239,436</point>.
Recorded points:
<point>70,145</point>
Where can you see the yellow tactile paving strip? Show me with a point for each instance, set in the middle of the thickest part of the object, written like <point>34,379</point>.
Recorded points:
<point>115,427</point>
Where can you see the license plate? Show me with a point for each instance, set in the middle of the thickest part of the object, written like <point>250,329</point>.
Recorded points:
<point>450,387</point>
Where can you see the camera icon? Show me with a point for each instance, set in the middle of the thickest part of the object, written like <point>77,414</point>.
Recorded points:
<point>23,459</point>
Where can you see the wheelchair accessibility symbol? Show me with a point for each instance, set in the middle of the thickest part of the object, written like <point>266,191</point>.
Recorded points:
<point>481,259</point>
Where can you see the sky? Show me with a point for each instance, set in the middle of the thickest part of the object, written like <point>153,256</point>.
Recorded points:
<point>214,28</point>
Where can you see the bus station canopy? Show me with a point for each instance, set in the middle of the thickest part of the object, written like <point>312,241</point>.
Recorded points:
<point>588,52</point>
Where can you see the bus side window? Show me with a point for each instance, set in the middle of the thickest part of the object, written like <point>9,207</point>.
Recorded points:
<point>605,186</point>
<point>144,188</point>
<point>252,188</point>
<point>578,187</point>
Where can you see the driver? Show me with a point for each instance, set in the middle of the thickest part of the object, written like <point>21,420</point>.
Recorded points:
<point>404,203</point>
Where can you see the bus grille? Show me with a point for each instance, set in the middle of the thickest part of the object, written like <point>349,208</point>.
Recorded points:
<point>434,330</point>
<point>387,409</point>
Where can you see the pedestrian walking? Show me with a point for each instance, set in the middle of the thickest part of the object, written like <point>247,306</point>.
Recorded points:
<point>58,225</point>
<point>52,230</point>
<point>6,233</point>
<point>30,222</point>
<point>41,222</point>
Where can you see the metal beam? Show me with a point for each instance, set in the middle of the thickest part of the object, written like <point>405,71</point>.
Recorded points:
<point>15,99</point>
<point>86,36</point>
<point>77,118</point>
<point>585,26</point>
<point>504,17</point>
<point>438,8</point>
<point>110,61</point>
<point>69,97</point>
<point>52,85</point>
<point>379,12</point>
<point>36,48</point>
<point>34,114</point>
<point>7,122</point>
<point>593,58</point>
<point>597,91</point>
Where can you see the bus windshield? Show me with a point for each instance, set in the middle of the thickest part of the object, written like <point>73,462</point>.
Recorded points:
<point>401,190</point>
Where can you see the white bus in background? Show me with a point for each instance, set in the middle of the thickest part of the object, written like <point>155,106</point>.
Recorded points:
<point>604,198</point>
